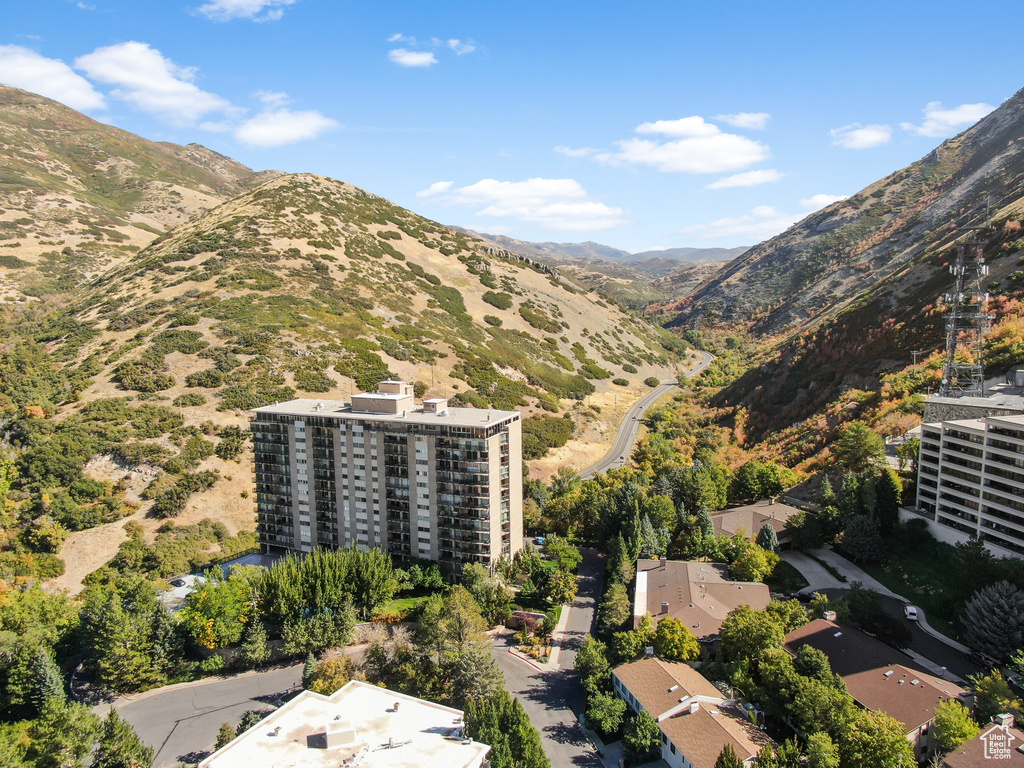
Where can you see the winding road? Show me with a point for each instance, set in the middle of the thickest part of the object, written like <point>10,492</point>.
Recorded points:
<point>618,454</point>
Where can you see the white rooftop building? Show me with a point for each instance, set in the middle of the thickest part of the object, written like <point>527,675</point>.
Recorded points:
<point>358,725</point>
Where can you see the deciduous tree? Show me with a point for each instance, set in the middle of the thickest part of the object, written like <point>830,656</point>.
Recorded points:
<point>953,725</point>
<point>673,640</point>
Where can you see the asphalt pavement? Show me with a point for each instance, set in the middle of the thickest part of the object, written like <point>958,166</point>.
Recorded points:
<point>554,698</point>
<point>183,721</point>
<point>618,454</point>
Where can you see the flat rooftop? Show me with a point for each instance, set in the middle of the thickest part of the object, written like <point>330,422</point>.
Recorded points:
<point>340,409</point>
<point>391,730</point>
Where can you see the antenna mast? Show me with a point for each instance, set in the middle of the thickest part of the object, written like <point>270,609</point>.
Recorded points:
<point>967,322</point>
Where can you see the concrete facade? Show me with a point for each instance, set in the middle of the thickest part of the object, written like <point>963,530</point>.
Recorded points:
<point>438,483</point>
<point>971,479</point>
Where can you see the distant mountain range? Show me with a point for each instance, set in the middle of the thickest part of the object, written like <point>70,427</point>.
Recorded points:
<point>654,263</point>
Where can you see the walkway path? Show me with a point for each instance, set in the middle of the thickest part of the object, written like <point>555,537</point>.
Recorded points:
<point>818,577</point>
<point>622,446</point>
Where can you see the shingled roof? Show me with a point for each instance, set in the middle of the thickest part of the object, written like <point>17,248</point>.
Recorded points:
<point>878,677</point>
<point>698,593</point>
<point>701,735</point>
<point>660,685</point>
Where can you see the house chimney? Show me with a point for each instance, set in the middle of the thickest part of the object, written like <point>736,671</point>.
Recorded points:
<point>829,615</point>
<point>664,606</point>
<point>1004,720</point>
<point>694,707</point>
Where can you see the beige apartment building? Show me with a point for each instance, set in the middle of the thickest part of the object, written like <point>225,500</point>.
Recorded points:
<point>378,471</point>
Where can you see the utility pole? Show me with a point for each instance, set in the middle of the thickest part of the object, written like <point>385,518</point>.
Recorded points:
<point>915,353</point>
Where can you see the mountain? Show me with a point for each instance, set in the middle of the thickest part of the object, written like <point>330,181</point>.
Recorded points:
<point>847,294</point>
<point>308,284</point>
<point>689,255</point>
<point>77,196</point>
<point>890,241</point>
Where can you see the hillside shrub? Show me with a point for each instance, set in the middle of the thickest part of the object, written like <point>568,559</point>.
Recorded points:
<point>651,381</point>
<point>499,300</point>
<point>492,320</point>
<point>542,432</point>
<point>621,382</point>
<point>188,400</point>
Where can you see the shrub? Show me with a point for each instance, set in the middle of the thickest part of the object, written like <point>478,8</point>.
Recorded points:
<point>629,368</point>
<point>651,381</point>
<point>188,400</point>
<point>499,300</point>
<point>492,320</point>
<point>621,382</point>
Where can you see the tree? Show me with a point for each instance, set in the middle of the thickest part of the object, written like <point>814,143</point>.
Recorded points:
<point>641,738</point>
<point>859,450</point>
<point>500,722</point>
<point>225,735</point>
<point>615,609</point>
<point>605,712</point>
<point>560,588</point>
<point>255,650</point>
<point>319,631</point>
<point>47,681</point>
<point>592,666</point>
<point>704,522</point>
<point>993,620</point>
<point>993,696</point>
<point>754,564</point>
<point>562,552</point>
<point>119,746</point>
<point>333,672</point>
<point>746,633</point>
<point>875,739</point>
<point>727,758</point>
<point>908,452</point>
<point>673,640</point>
<point>861,540</point>
<point>768,538</point>
<point>469,674</point>
<point>251,718</point>
<point>746,484</point>
<point>789,614</point>
<point>452,623</point>
<point>63,735</point>
<point>821,751</point>
<point>953,725</point>
<point>888,495</point>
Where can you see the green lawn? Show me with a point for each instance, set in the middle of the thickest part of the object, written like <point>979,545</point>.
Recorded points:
<point>404,605</point>
<point>938,609</point>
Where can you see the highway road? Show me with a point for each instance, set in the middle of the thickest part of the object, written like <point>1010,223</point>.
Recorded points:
<point>618,454</point>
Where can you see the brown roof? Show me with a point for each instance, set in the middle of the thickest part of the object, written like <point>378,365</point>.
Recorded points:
<point>700,594</point>
<point>972,754</point>
<point>877,676</point>
<point>659,685</point>
<point>752,518</point>
<point>702,735</point>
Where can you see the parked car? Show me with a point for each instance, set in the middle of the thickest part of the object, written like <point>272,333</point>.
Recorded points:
<point>178,582</point>
<point>910,612</point>
<point>1016,681</point>
<point>982,660</point>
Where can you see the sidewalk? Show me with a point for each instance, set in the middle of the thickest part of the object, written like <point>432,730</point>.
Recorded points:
<point>818,578</point>
<point>557,638</point>
<point>853,573</point>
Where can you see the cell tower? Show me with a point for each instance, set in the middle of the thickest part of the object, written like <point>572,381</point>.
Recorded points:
<point>967,322</point>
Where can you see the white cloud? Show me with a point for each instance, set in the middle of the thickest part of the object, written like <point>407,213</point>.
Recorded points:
<point>561,204</point>
<point>756,121</point>
<point>273,98</point>
<point>399,37</point>
<point>857,136</point>
<point>694,146</point>
<point>581,152</point>
<point>226,10</point>
<point>460,47</point>
<point>85,7</point>
<point>747,179</point>
<point>278,127</point>
<point>686,127</point>
<point>939,122</point>
<point>435,189</point>
<point>762,222</point>
<point>24,68</point>
<point>152,83</point>
<point>406,58</point>
<point>817,202</point>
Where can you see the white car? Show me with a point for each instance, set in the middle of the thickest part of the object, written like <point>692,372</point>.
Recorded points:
<point>910,612</point>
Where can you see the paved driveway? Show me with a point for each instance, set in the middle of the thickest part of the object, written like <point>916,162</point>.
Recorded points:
<point>554,698</point>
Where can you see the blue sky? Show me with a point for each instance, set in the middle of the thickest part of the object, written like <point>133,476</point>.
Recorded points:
<point>639,125</point>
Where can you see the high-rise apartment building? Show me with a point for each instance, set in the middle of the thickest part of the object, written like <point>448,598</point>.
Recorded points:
<point>429,481</point>
<point>971,478</point>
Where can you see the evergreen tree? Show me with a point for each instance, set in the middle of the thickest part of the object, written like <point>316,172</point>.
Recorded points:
<point>888,495</point>
<point>255,650</point>
<point>615,610</point>
<point>63,735</point>
<point>250,718</point>
<point>768,538</point>
<point>850,502</point>
<point>309,670</point>
<point>727,758</point>
<point>862,542</point>
<point>500,721</point>
<point>993,620</point>
<point>704,522</point>
<point>119,745</point>
<point>47,681</point>
<point>653,542</point>
<point>826,495</point>
<point>859,450</point>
